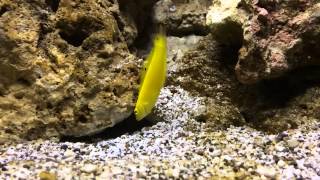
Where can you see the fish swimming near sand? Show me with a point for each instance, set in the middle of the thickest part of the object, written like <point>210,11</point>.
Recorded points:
<point>152,77</point>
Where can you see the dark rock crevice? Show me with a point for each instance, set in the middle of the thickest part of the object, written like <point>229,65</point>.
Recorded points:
<point>76,32</point>
<point>4,9</point>
<point>140,13</point>
<point>53,4</point>
<point>275,105</point>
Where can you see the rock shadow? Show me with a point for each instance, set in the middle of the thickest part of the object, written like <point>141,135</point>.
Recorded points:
<point>127,126</point>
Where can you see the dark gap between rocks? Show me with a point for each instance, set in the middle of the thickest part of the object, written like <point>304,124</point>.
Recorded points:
<point>53,4</point>
<point>230,55</point>
<point>127,126</point>
<point>4,9</point>
<point>76,32</point>
<point>141,12</point>
<point>24,81</point>
<point>230,45</point>
<point>197,31</point>
<point>277,92</point>
<point>267,103</point>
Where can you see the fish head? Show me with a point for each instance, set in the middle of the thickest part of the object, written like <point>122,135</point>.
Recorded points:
<point>160,40</point>
<point>139,112</point>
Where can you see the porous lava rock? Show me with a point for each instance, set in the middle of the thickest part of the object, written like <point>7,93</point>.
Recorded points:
<point>275,36</point>
<point>65,68</point>
<point>182,17</point>
<point>204,66</point>
<point>200,69</point>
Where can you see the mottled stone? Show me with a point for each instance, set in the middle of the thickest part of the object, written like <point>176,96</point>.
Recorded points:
<point>182,17</point>
<point>275,37</point>
<point>292,143</point>
<point>65,68</point>
<point>275,57</point>
<point>45,175</point>
<point>89,168</point>
<point>269,172</point>
<point>199,70</point>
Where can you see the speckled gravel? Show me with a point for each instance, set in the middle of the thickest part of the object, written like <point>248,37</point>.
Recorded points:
<point>178,147</point>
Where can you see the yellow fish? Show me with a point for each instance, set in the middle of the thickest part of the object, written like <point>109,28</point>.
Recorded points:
<point>152,77</point>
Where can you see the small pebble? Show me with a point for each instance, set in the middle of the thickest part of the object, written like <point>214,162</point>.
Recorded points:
<point>216,152</point>
<point>279,148</point>
<point>281,163</point>
<point>172,8</point>
<point>281,136</point>
<point>64,146</point>
<point>69,153</point>
<point>45,175</point>
<point>292,143</point>
<point>269,172</point>
<point>89,168</point>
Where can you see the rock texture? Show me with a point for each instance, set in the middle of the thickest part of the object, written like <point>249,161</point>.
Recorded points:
<point>276,37</point>
<point>65,68</point>
<point>282,103</point>
<point>204,66</point>
<point>182,17</point>
<point>194,61</point>
<point>196,66</point>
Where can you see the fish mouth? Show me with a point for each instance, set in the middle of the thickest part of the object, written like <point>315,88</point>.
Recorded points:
<point>136,114</point>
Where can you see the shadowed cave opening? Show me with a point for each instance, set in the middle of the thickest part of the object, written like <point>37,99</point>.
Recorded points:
<point>53,4</point>
<point>265,106</point>
<point>141,13</point>
<point>278,92</point>
<point>4,9</point>
<point>76,32</point>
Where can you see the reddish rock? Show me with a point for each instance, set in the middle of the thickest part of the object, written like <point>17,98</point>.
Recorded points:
<point>277,36</point>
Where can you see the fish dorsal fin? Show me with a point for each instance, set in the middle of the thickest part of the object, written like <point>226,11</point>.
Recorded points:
<point>146,63</point>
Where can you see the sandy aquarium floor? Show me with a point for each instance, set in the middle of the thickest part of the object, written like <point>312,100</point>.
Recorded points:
<point>176,148</point>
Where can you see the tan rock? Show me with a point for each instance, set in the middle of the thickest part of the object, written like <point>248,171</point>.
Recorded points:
<point>65,69</point>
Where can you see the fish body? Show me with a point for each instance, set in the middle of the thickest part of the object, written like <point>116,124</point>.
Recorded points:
<point>152,77</point>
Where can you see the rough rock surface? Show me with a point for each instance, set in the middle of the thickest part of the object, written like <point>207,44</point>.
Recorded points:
<point>182,17</point>
<point>136,17</point>
<point>204,66</point>
<point>65,68</point>
<point>276,36</point>
<point>196,65</point>
<point>200,66</point>
<point>283,103</point>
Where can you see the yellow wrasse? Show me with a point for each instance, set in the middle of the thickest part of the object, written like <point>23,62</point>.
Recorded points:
<point>152,78</point>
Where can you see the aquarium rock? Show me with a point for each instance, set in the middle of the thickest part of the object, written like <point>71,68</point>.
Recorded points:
<point>182,17</point>
<point>273,37</point>
<point>65,68</point>
<point>195,63</point>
